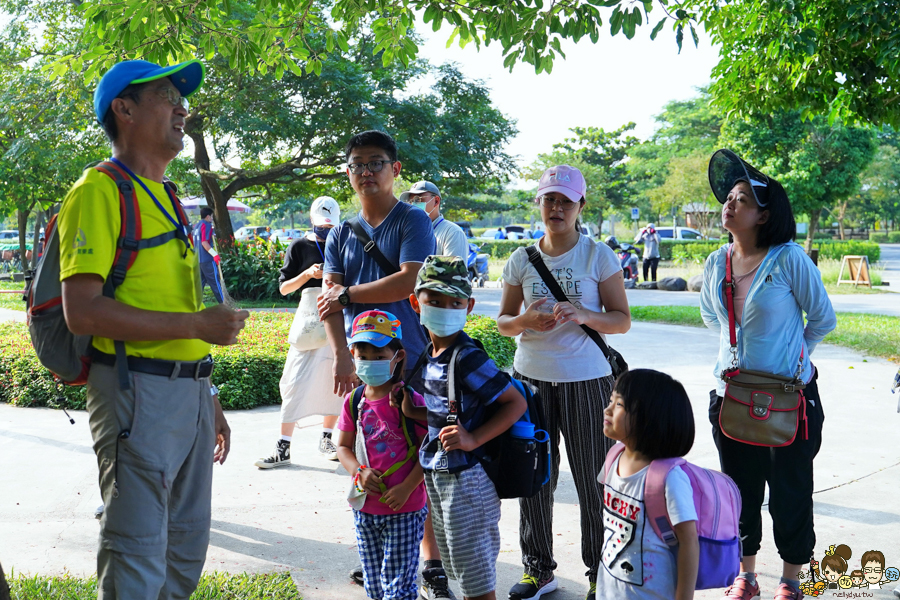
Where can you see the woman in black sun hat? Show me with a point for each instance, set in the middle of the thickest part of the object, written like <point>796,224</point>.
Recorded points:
<point>773,283</point>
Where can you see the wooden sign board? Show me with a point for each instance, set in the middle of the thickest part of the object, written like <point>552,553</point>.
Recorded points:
<point>857,270</point>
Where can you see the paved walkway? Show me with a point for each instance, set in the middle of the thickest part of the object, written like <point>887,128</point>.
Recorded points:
<point>487,301</point>
<point>296,519</point>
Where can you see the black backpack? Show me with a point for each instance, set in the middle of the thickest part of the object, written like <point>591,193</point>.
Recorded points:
<point>518,468</point>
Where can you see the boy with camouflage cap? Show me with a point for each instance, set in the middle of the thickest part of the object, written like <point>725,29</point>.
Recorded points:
<point>464,504</point>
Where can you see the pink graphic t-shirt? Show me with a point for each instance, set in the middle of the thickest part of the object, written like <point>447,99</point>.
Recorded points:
<point>386,445</point>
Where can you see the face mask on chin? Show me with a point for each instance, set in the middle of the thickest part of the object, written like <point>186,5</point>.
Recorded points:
<point>443,322</point>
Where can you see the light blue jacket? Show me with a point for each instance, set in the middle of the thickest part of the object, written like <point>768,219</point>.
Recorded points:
<point>772,332</point>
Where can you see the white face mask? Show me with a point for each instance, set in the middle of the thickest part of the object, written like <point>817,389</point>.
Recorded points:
<point>443,322</point>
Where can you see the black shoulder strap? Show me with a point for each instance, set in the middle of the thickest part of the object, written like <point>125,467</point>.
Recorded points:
<point>370,248</point>
<point>534,257</point>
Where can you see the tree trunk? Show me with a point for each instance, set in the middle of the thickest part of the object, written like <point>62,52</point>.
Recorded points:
<point>23,233</point>
<point>214,197</point>
<point>813,223</point>
<point>36,244</point>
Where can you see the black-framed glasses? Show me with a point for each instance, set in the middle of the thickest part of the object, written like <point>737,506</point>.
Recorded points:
<point>551,202</point>
<point>372,167</point>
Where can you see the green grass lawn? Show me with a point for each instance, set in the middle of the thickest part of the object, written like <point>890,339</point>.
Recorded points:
<point>12,301</point>
<point>213,586</point>
<point>874,335</point>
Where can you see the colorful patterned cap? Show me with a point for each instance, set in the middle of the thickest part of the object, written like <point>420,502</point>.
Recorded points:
<point>375,327</point>
<point>445,274</point>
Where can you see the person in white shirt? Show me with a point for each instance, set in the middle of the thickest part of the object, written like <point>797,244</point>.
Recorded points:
<point>571,371</point>
<point>451,239</point>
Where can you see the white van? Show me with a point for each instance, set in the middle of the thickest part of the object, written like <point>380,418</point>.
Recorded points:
<point>679,233</point>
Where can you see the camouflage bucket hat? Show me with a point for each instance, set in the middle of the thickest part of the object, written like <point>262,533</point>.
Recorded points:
<point>445,274</point>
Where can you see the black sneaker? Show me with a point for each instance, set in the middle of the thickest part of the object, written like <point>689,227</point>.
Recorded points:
<point>279,458</point>
<point>530,587</point>
<point>435,585</point>
<point>327,449</point>
<point>356,575</point>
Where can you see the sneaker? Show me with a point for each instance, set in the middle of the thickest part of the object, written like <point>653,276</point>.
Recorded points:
<point>592,592</point>
<point>356,575</point>
<point>279,458</point>
<point>786,592</point>
<point>327,448</point>
<point>741,589</point>
<point>530,587</point>
<point>435,585</point>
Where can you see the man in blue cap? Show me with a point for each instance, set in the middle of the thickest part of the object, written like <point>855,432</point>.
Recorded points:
<point>156,424</point>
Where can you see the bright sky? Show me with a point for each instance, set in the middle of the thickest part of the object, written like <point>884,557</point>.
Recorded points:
<point>604,85</point>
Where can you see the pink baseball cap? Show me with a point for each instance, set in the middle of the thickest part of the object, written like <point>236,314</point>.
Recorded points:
<point>564,179</point>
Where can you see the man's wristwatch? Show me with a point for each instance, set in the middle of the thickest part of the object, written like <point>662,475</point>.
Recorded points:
<point>344,297</point>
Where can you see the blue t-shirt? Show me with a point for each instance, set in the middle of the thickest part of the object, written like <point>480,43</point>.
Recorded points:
<point>404,236</point>
<point>203,232</point>
<point>480,382</point>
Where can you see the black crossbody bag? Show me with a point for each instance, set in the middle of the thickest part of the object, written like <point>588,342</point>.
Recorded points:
<point>616,361</point>
<point>370,248</point>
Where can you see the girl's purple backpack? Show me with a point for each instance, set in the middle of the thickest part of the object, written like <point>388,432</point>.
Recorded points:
<point>718,504</point>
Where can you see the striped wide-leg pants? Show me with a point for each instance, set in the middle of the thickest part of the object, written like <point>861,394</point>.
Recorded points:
<point>574,409</point>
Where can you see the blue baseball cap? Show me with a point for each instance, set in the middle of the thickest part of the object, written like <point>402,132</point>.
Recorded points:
<point>186,77</point>
<point>376,327</point>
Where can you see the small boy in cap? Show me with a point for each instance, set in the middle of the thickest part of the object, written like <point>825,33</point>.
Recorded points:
<point>377,446</point>
<point>464,504</point>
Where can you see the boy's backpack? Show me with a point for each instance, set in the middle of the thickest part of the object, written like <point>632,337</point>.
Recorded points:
<point>66,355</point>
<point>518,468</point>
<point>718,504</point>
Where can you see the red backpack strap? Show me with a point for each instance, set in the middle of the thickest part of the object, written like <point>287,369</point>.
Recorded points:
<point>127,247</point>
<point>655,498</point>
<point>130,232</point>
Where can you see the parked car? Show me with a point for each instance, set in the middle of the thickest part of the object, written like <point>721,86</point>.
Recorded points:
<point>680,233</point>
<point>286,236</point>
<point>9,235</point>
<point>513,232</point>
<point>248,233</point>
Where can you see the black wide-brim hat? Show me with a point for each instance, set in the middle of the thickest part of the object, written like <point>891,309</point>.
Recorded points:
<point>727,168</point>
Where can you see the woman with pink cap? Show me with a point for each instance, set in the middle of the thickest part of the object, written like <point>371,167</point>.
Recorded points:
<point>559,356</point>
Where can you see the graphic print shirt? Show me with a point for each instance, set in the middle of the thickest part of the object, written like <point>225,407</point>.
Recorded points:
<point>385,445</point>
<point>565,353</point>
<point>636,562</point>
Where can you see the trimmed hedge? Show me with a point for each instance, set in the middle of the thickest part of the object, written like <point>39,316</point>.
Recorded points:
<point>885,237</point>
<point>247,373</point>
<point>698,251</point>
<point>500,248</point>
<point>837,249</point>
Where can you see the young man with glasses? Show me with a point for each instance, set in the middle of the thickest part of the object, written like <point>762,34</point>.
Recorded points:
<point>155,420</point>
<point>355,283</point>
<point>449,237</point>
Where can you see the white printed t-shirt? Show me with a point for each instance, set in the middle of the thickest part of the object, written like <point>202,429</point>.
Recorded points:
<point>565,353</point>
<point>636,562</point>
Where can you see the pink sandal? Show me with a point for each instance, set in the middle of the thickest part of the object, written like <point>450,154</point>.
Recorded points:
<point>741,589</point>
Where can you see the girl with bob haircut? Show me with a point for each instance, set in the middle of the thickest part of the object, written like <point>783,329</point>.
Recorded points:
<point>775,283</point>
<point>650,413</point>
